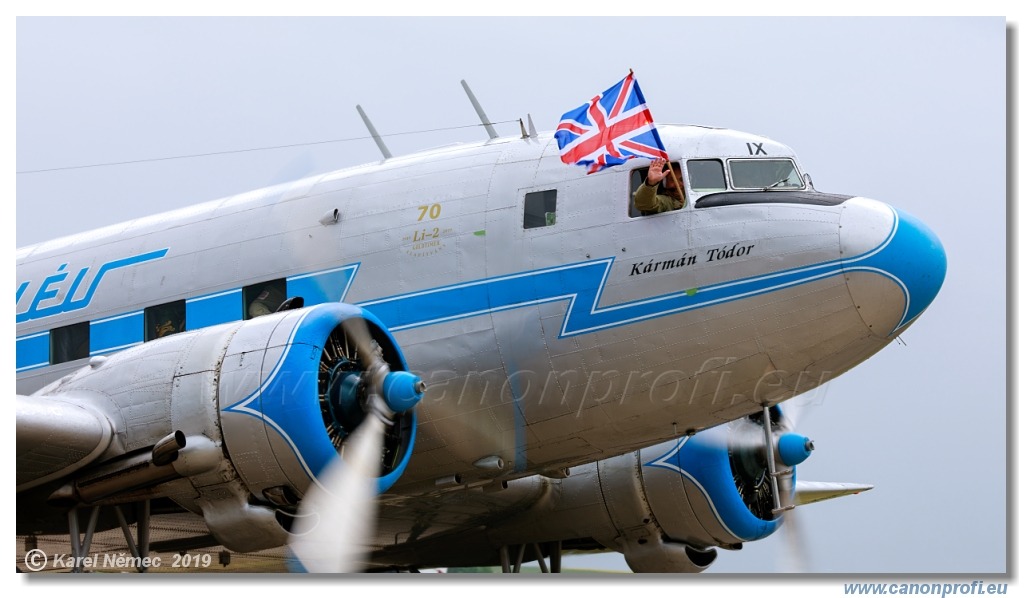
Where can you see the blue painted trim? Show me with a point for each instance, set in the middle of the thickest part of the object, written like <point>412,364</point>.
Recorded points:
<point>582,284</point>
<point>33,352</point>
<point>52,285</point>
<point>109,334</point>
<point>323,287</point>
<point>299,422</point>
<point>703,461</point>
<point>213,309</point>
<point>914,259</point>
<point>910,256</point>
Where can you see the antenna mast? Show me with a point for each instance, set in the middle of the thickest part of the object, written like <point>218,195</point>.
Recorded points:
<point>480,111</point>
<point>373,133</point>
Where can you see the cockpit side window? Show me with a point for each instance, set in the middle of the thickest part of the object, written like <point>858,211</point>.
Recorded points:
<point>636,178</point>
<point>765,174</point>
<point>706,176</point>
<point>663,195</point>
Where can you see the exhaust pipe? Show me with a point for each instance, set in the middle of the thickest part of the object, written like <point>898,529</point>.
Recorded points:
<point>168,460</point>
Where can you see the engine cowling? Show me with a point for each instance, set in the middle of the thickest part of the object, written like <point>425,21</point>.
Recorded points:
<point>669,506</point>
<point>289,397</point>
<point>265,404</point>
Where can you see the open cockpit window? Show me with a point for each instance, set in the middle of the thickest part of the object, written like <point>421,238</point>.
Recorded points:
<point>765,175</point>
<point>663,195</point>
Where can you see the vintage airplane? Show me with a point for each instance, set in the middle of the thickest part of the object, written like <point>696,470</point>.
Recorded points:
<point>594,379</point>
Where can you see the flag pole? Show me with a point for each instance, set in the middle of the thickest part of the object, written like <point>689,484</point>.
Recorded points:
<point>672,171</point>
<point>679,185</point>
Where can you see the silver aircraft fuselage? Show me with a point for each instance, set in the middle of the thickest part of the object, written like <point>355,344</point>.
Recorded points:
<point>590,334</point>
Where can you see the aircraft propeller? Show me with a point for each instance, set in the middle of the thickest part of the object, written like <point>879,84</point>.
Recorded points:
<point>794,556</point>
<point>759,451</point>
<point>335,520</point>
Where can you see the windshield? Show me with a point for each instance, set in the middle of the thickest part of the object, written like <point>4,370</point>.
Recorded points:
<point>764,174</point>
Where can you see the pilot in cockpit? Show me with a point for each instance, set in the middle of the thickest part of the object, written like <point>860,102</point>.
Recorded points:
<point>647,199</point>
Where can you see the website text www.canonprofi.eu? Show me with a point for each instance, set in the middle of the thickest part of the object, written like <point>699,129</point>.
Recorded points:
<point>973,588</point>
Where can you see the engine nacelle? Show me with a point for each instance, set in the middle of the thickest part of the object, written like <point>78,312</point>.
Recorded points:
<point>266,404</point>
<point>277,415</point>
<point>666,507</point>
<point>703,492</point>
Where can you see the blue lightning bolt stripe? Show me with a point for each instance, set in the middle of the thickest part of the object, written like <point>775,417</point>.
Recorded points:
<point>580,284</point>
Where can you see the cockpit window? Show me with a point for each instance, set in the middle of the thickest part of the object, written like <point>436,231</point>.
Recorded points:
<point>765,174</point>
<point>706,176</point>
<point>663,197</point>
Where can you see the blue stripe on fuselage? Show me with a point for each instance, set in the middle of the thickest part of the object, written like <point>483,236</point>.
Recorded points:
<point>581,284</point>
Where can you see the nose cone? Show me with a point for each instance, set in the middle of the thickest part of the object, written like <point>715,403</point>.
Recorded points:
<point>918,256</point>
<point>892,277</point>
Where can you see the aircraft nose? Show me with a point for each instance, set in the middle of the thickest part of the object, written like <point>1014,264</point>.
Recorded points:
<point>894,264</point>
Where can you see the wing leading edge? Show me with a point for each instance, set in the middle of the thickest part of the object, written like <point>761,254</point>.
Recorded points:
<point>55,437</point>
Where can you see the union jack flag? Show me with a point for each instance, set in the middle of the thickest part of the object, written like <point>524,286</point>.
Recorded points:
<point>610,129</point>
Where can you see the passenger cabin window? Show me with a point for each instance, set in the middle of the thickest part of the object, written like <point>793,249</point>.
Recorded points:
<point>765,174</point>
<point>639,176</point>
<point>264,298</point>
<point>706,176</point>
<point>164,320</point>
<point>69,343</point>
<point>539,209</point>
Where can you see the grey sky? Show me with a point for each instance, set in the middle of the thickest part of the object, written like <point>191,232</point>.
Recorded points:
<point>907,111</point>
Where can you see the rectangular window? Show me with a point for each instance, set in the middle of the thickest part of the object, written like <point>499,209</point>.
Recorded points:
<point>765,174</point>
<point>706,176</point>
<point>539,209</point>
<point>69,343</point>
<point>264,298</point>
<point>636,178</point>
<point>639,177</point>
<point>164,320</point>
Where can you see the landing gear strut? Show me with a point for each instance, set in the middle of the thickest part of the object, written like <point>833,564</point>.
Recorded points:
<point>138,546</point>
<point>554,550</point>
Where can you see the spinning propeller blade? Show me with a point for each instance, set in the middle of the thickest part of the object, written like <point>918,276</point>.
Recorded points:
<point>336,518</point>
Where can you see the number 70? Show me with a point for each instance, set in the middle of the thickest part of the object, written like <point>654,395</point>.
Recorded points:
<point>432,211</point>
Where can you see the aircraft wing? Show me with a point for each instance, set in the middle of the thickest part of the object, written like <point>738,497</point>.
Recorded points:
<point>57,436</point>
<point>666,507</point>
<point>810,492</point>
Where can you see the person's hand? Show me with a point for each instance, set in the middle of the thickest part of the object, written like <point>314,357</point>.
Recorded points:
<point>657,171</point>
